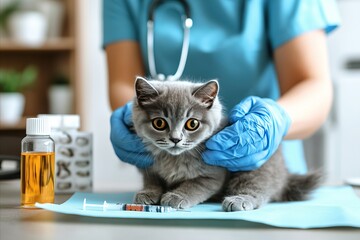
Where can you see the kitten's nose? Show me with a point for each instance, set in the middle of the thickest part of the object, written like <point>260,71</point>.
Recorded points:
<point>175,140</point>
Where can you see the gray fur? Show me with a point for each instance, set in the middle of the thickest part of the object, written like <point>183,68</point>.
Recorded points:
<point>179,178</point>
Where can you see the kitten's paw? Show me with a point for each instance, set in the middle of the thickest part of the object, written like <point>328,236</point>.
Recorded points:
<point>174,200</point>
<point>238,203</point>
<point>147,197</point>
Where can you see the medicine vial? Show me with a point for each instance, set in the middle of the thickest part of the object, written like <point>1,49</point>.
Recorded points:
<point>37,164</point>
<point>73,153</point>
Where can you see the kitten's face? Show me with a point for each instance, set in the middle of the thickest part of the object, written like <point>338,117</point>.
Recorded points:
<point>175,116</point>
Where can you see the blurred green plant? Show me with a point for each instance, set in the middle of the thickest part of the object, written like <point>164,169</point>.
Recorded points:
<point>7,11</point>
<point>15,81</point>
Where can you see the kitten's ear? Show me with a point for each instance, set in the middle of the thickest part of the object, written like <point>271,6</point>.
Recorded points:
<point>207,92</point>
<point>145,91</point>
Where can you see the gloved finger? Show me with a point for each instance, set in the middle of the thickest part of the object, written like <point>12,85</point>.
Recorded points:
<point>228,159</point>
<point>128,114</point>
<point>217,158</point>
<point>241,109</point>
<point>226,138</point>
<point>251,162</point>
<point>127,140</point>
<point>120,135</point>
<point>132,143</point>
<point>214,156</point>
<point>221,159</point>
<point>238,134</point>
<point>123,114</point>
<point>233,164</point>
<point>253,134</point>
<point>139,159</point>
<point>248,149</point>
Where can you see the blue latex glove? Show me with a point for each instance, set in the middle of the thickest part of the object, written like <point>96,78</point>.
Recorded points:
<point>127,145</point>
<point>256,129</point>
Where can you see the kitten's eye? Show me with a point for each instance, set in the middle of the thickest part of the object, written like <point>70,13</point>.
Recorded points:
<point>159,124</point>
<point>192,124</point>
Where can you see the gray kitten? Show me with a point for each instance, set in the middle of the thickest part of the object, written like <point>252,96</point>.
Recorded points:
<point>174,119</point>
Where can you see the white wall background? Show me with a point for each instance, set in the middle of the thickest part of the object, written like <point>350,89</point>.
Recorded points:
<point>109,173</point>
<point>335,147</point>
<point>343,148</point>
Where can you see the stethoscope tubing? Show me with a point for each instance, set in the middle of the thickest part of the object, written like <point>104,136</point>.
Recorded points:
<point>187,24</point>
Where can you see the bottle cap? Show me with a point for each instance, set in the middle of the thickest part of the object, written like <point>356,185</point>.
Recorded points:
<point>59,121</point>
<point>55,120</point>
<point>38,126</point>
<point>70,121</point>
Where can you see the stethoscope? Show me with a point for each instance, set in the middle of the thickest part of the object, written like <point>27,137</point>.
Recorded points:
<point>187,23</point>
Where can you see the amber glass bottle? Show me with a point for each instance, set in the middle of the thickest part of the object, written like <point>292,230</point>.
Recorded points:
<point>37,164</point>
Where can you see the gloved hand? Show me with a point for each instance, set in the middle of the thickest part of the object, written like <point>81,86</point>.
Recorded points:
<point>256,129</point>
<point>127,145</point>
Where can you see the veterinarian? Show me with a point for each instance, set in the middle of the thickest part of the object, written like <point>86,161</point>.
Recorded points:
<point>270,58</point>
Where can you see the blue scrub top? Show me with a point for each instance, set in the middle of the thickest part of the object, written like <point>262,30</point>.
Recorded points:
<point>231,40</point>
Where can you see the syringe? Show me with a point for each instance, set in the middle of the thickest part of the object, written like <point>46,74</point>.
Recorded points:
<point>127,207</point>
